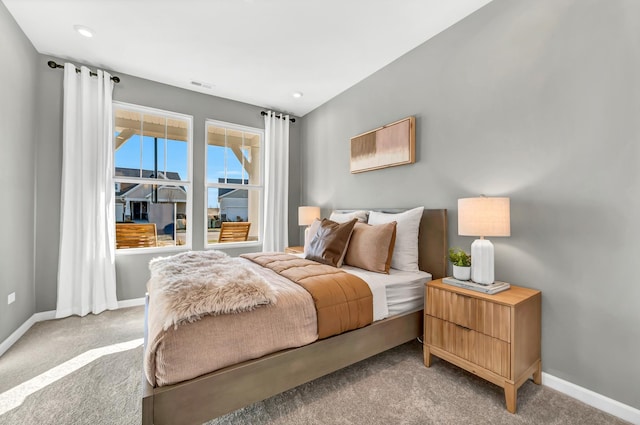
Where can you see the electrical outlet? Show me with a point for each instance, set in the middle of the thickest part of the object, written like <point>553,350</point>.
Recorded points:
<point>11,298</point>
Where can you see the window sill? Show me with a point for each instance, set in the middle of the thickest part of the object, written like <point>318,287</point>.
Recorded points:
<point>157,250</point>
<point>229,245</point>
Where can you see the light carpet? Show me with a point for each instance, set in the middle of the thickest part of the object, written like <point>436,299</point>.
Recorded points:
<point>102,385</point>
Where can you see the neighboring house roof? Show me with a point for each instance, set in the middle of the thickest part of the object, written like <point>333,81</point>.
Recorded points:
<point>146,174</point>
<point>223,191</point>
<point>235,193</point>
<point>163,193</point>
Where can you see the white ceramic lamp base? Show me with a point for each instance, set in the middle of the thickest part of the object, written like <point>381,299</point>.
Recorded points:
<point>482,261</point>
<point>306,238</point>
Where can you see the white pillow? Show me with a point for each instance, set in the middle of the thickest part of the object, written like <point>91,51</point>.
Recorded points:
<point>405,253</point>
<point>344,217</point>
<point>309,233</point>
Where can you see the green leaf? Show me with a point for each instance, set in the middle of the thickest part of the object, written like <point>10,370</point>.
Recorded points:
<point>459,258</point>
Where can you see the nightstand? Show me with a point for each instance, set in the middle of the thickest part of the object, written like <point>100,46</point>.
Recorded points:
<point>496,337</point>
<point>294,250</point>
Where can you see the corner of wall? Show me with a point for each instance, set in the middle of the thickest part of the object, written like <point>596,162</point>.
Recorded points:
<point>17,105</point>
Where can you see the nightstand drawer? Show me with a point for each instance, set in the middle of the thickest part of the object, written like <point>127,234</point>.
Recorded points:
<point>490,353</point>
<point>486,317</point>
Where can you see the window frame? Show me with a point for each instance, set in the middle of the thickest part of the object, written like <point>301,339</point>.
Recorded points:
<point>188,184</point>
<point>207,185</point>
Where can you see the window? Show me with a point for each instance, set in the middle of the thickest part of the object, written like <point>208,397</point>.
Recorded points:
<point>234,187</point>
<point>152,175</point>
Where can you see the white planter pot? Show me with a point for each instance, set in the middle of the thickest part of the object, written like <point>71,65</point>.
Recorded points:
<point>462,273</point>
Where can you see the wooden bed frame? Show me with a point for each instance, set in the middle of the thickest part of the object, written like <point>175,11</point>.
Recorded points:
<point>217,393</point>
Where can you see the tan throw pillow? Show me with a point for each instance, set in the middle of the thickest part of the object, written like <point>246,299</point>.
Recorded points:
<point>329,244</point>
<point>371,247</point>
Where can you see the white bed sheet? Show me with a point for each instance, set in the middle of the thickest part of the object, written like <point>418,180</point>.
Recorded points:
<point>394,293</point>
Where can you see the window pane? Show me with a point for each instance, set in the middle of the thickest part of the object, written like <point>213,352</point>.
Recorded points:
<point>251,152</point>
<point>149,164</point>
<point>232,205</point>
<point>127,143</point>
<point>150,145</point>
<point>144,204</point>
<point>215,164</point>
<point>233,156</point>
<point>176,160</point>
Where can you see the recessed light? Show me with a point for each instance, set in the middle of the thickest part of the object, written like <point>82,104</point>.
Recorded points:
<point>297,95</point>
<point>82,30</point>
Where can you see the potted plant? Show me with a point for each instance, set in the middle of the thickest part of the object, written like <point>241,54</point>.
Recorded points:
<point>461,263</point>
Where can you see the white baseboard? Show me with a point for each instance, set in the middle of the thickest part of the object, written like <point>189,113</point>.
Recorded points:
<point>131,303</point>
<point>49,315</point>
<point>592,398</point>
<point>45,315</point>
<point>17,334</point>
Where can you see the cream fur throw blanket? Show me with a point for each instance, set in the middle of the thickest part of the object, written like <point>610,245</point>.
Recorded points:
<point>197,283</point>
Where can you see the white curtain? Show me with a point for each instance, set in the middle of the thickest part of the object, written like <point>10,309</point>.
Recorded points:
<point>275,236</point>
<point>86,267</point>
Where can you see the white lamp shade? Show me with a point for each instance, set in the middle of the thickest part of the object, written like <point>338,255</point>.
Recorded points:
<point>484,216</point>
<point>306,215</point>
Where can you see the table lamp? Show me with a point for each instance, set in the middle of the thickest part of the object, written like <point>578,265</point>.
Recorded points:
<point>306,216</point>
<point>483,216</point>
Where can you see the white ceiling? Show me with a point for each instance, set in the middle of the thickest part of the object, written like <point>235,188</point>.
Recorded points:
<point>254,51</point>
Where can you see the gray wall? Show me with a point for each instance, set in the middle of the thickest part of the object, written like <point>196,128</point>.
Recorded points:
<point>131,269</point>
<point>17,173</point>
<point>538,101</point>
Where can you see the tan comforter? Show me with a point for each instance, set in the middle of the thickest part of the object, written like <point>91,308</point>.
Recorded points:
<point>214,342</point>
<point>324,301</point>
<point>343,301</point>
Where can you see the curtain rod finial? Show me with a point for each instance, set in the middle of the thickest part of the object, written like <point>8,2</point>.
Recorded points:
<point>263,113</point>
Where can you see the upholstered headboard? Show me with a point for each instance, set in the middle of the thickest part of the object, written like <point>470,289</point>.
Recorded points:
<point>432,243</point>
<point>432,239</point>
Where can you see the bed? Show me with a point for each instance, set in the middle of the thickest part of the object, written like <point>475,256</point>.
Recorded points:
<point>214,394</point>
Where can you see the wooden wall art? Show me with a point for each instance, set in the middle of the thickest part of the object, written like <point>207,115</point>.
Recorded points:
<point>387,146</point>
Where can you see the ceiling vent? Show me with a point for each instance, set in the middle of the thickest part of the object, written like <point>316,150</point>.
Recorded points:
<point>201,84</point>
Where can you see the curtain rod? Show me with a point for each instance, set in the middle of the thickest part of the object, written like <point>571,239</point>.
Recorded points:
<point>263,113</point>
<point>54,65</point>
